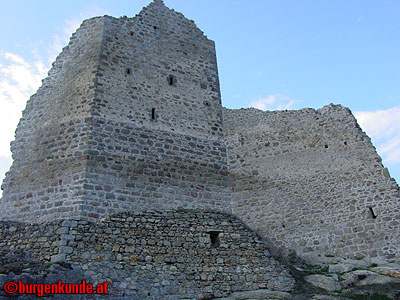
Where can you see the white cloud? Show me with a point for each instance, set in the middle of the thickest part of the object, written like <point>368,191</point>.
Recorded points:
<point>383,126</point>
<point>21,77</point>
<point>18,80</point>
<point>274,102</point>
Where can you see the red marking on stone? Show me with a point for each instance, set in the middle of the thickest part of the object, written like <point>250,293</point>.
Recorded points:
<point>60,182</point>
<point>200,187</point>
<point>93,215</point>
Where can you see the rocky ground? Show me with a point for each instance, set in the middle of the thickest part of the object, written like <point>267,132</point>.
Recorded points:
<point>326,278</point>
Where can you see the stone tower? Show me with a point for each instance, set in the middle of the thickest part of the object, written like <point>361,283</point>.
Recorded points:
<point>129,117</point>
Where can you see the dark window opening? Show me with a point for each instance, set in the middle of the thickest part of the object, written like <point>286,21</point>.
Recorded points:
<point>373,215</point>
<point>214,237</point>
<point>153,113</point>
<point>326,146</point>
<point>155,27</point>
<point>131,32</point>
<point>206,103</point>
<point>128,71</point>
<point>345,143</point>
<point>171,80</point>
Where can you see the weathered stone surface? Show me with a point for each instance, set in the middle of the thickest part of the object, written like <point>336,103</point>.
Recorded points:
<point>365,278</point>
<point>388,271</point>
<point>327,283</point>
<point>359,263</point>
<point>127,129</point>
<point>353,277</point>
<point>311,181</point>
<point>108,131</point>
<point>326,297</point>
<point>259,294</point>
<point>190,251</point>
<point>130,118</point>
<point>375,279</point>
<point>319,259</point>
<point>341,268</point>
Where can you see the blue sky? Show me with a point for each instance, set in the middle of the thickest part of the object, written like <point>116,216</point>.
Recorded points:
<point>285,54</point>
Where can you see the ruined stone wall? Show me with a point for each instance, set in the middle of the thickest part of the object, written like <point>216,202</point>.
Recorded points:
<point>147,255</point>
<point>129,117</point>
<point>310,180</point>
<point>138,57</point>
<point>45,179</point>
<point>156,141</point>
<point>171,253</point>
<point>34,242</point>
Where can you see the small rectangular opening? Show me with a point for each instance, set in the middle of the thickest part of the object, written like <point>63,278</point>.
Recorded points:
<point>214,238</point>
<point>171,80</point>
<point>373,215</point>
<point>153,113</point>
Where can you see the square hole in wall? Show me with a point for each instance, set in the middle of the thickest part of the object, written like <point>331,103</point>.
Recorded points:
<point>214,238</point>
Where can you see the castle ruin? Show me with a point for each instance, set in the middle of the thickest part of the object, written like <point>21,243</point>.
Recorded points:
<point>128,128</point>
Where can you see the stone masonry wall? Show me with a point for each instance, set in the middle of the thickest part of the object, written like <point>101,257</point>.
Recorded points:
<point>130,111</point>
<point>164,254</point>
<point>184,254</point>
<point>139,55</point>
<point>130,118</point>
<point>35,242</point>
<point>46,177</point>
<point>311,181</point>
<point>136,168</point>
<point>156,141</point>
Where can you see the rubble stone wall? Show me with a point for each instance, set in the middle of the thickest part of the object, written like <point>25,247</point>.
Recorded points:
<point>147,255</point>
<point>311,181</point>
<point>45,180</point>
<point>156,129</point>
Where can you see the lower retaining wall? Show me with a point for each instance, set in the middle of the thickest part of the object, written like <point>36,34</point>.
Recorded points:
<point>148,255</point>
<point>37,241</point>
